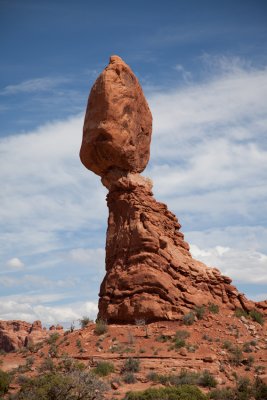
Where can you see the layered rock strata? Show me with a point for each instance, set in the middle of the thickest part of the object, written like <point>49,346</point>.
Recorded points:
<point>150,274</point>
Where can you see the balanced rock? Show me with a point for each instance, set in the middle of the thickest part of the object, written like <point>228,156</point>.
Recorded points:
<point>118,122</point>
<point>150,273</point>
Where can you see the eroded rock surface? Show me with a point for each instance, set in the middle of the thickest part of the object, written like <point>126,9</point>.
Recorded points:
<point>118,122</point>
<point>150,273</point>
<point>17,334</point>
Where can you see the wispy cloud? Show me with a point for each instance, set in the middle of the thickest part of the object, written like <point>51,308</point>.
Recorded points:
<point>15,263</point>
<point>34,85</point>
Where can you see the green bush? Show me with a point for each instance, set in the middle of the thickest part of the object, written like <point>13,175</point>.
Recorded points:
<point>213,308</point>
<point>239,312</point>
<point>129,378</point>
<point>184,392</point>
<point>104,368</point>
<point>200,311</point>
<point>235,356</point>
<point>84,321</point>
<point>5,380</point>
<point>53,338</point>
<point>189,319</point>
<point>257,316</point>
<point>207,380</point>
<point>259,389</point>
<point>222,394</point>
<point>179,338</point>
<point>163,338</point>
<point>101,327</point>
<point>131,365</point>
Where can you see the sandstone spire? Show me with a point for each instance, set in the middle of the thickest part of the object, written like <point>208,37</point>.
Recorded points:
<point>150,273</point>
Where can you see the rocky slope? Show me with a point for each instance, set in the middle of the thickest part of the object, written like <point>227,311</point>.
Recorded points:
<point>227,346</point>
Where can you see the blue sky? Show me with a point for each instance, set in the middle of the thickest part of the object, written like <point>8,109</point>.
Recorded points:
<point>202,65</point>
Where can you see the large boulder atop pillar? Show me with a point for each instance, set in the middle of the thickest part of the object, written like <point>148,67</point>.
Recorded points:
<point>118,122</point>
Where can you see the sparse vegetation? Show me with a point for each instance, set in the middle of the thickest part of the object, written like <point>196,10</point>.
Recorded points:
<point>101,327</point>
<point>207,380</point>
<point>185,377</point>
<point>257,316</point>
<point>235,356</point>
<point>129,377</point>
<point>84,321</point>
<point>239,312</point>
<point>131,365</point>
<point>163,338</point>
<point>53,338</point>
<point>213,308</point>
<point>5,380</point>
<point>104,368</point>
<point>200,311</point>
<point>179,339</point>
<point>184,392</point>
<point>189,319</point>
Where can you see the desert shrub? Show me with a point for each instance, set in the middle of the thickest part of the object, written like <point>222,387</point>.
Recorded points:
<point>207,337</point>
<point>235,356</point>
<point>213,308</point>
<point>257,316</point>
<point>227,345</point>
<point>101,327</point>
<point>200,311</point>
<point>247,347</point>
<point>239,312</point>
<point>5,380</point>
<point>163,338</point>
<point>53,338</point>
<point>207,380</point>
<point>103,368</point>
<point>47,365</point>
<point>222,394</point>
<point>243,390</point>
<point>129,377</point>
<point>53,350</point>
<point>131,365</point>
<point>259,389</point>
<point>68,386</point>
<point>84,321</point>
<point>29,362</point>
<point>182,334</point>
<point>184,392</point>
<point>189,319</point>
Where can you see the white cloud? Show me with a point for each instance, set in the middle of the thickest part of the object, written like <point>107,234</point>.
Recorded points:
<point>31,308</point>
<point>33,85</point>
<point>15,263</point>
<point>241,265</point>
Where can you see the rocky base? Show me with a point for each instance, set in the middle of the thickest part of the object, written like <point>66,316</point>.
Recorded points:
<point>151,274</point>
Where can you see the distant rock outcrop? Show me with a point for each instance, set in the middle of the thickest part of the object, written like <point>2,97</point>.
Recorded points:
<point>17,334</point>
<point>150,273</point>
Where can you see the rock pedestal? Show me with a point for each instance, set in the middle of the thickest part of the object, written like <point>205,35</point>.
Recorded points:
<point>150,274</point>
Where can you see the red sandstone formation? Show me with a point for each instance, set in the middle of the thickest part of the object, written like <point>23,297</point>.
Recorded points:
<point>150,273</point>
<point>118,123</point>
<point>17,334</point>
